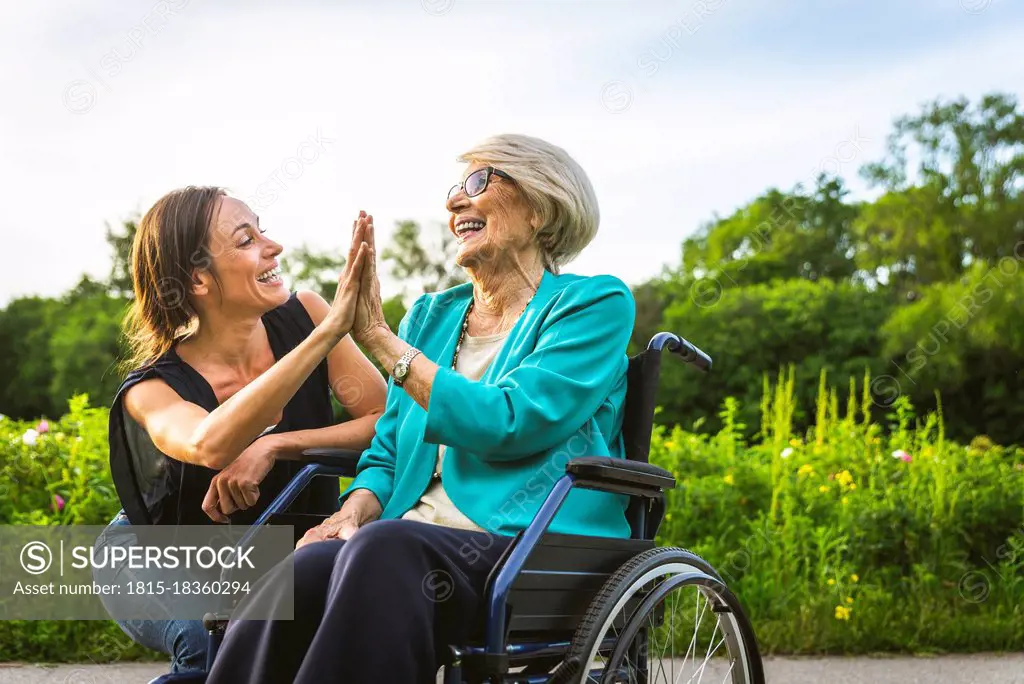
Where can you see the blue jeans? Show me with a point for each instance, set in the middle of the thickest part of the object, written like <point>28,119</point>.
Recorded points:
<point>186,641</point>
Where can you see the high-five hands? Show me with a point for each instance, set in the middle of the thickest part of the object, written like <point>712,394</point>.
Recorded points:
<point>369,313</point>
<point>342,315</point>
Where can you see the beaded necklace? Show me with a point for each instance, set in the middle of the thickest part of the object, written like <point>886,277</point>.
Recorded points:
<point>465,326</point>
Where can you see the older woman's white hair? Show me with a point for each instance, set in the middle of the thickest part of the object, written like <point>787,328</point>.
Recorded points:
<point>556,187</point>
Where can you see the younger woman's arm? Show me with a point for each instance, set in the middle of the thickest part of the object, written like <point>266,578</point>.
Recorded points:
<point>187,432</point>
<point>357,385</point>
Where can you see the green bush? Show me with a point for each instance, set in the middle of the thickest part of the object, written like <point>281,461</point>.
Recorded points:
<point>815,326</point>
<point>56,473</point>
<point>847,539</point>
<point>831,542</point>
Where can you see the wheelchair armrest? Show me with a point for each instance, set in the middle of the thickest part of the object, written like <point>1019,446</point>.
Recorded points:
<point>338,458</point>
<point>321,461</point>
<point>620,476</point>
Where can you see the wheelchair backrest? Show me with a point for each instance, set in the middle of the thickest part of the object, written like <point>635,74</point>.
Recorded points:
<point>642,378</point>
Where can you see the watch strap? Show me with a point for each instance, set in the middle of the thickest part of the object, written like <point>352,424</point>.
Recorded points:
<point>406,358</point>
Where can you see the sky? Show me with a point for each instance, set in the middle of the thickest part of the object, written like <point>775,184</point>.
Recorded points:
<point>679,111</point>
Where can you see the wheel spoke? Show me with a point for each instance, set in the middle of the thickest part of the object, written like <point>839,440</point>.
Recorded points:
<point>728,673</point>
<point>696,627</point>
<point>659,654</point>
<point>704,663</point>
<point>713,633</point>
<point>672,636</point>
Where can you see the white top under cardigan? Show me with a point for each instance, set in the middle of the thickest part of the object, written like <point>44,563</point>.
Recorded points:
<point>434,507</point>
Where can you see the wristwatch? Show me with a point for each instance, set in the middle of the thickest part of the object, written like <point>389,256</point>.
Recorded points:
<point>401,369</point>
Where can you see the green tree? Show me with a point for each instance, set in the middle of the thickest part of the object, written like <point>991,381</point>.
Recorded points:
<point>907,239</point>
<point>428,268</point>
<point>920,285</point>
<point>120,240</point>
<point>25,357</point>
<point>85,343</point>
<point>394,311</point>
<point>779,235</point>
<point>964,340</point>
<point>309,269</point>
<point>963,200</point>
<point>758,329</point>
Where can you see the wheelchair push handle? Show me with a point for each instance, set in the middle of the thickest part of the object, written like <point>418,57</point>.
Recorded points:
<point>689,351</point>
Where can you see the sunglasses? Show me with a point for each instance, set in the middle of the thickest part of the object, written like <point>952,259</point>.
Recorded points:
<point>477,181</point>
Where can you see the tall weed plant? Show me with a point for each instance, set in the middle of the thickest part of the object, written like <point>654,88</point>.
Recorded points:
<point>854,537</point>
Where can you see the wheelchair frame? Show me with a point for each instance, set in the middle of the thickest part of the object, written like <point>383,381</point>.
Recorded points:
<point>644,483</point>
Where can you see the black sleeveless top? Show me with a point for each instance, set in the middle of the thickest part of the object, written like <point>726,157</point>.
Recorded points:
<point>156,489</point>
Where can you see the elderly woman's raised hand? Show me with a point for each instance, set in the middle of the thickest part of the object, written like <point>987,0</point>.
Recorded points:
<point>369,312</point>
<point>342,315</point>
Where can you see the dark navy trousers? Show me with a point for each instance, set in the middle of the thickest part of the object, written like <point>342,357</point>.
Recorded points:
<point>381,607</point>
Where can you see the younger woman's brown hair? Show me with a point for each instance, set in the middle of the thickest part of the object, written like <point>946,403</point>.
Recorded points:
<point>172,241</point>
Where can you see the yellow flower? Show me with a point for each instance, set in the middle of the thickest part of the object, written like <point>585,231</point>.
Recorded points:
<point>853,485</point>
<point>668,516</point>
<point>729,479</point>
<point>823,488</point>
<point>842,613</point>
<point>845,500</point>
<point>805,469</point>
<point>854,577</point>
<point>831,581</point>
<point>795,442</point>
<point>849,599</point>
<point>669,444</point>
<point>844,478</point>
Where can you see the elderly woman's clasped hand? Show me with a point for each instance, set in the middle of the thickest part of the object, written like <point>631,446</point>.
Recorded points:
<point>361,506</point>
<point>369,315</point>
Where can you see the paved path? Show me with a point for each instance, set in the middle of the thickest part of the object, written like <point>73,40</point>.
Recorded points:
<point>970,669</point>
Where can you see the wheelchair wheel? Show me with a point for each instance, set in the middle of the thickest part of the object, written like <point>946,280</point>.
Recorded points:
<point>665,616</point>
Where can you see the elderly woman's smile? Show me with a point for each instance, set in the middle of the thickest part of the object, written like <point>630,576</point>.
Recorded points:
<point>467,227</point>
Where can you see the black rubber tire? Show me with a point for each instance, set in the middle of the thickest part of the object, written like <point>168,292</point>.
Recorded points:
<point>572,669</point>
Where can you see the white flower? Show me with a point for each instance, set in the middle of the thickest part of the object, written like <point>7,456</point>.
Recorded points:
<point>30,437</point>
<point>2,417</point>
<point>787,452</point>
<point>902,455</point>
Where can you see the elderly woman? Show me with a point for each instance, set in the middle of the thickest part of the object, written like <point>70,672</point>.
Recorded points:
<point>495,384</point>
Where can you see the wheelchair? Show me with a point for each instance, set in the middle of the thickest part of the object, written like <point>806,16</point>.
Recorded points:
<point>565,609</point>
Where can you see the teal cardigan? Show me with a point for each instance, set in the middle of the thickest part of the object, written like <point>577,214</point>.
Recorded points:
<point>555,391</point>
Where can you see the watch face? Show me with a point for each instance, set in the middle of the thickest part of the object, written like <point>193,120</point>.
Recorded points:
<point>401,368</point>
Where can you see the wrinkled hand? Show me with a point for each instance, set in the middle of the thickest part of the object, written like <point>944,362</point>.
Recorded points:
<point>361,508</point>
<point>237,487</point>
<point>342,315</point>
<point>369,315</point>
